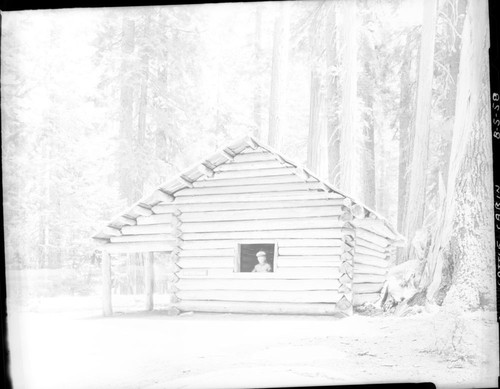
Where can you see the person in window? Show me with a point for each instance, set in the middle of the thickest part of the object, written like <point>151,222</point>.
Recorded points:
<point>262,266</point>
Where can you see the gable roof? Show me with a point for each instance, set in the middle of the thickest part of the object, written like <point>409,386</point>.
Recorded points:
<point>166,192</point>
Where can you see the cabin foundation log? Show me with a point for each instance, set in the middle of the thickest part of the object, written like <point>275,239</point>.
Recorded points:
<point>256,307</point>
<point>107,309</point>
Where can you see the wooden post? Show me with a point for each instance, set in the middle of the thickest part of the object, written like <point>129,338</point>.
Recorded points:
<point>107,309</point>
<point>149,280</point>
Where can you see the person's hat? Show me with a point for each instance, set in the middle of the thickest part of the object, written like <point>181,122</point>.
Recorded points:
<point>260,254</point>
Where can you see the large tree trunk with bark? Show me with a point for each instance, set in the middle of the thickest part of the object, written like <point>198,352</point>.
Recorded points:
<point>467,231</point>
<point>366,89</point>
<point>418,170</point>
<point>126,110</point>
<point>348,131</point>
<point>315,99</point>
<point>332,97</point>
<point>279,75</point>
<point>405,138</point>
<point>257,92</point>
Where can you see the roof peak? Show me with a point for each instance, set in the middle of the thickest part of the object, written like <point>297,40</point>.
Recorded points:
<point>203,168</point>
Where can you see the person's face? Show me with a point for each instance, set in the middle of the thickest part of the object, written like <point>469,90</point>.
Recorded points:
<point>261,259</point>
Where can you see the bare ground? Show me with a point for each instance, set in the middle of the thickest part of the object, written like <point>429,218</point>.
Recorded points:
<point>64,343</point>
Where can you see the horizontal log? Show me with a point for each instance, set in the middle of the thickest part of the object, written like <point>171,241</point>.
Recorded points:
<point>282,170</point>
<point>367,269</point>
<point>304,296</point>
<point>309,251</point>
<point>305,262</point>
<point>160,195</point>
<point>227,154</point>
<point>248,166</point>
<point>373,246</point>
<point>143,238</point>
<point>126,221</point>
<point>111,231</point>
<point>310,243</point>
<point>205,170</point>
<point>226,252</point>
<point>330,233</point>
<point>372,237</point>
<point>225,182</point>
<point>262,225</point>
<point>138,247</point>
<point>230,243</point>
<point>376,226</point>
<point>141,210</point>
<point>154,219</point>
<point>279,273</point>
<point>370,260</point>
<point>362,298</point>
<point>259,188</point>
<point>206,258</point>
<point>254,307</point>
<point>185,181</point>
<point>187,263</point>
<point>254,157</point>
<point>369,278</point>
<point>149,229</point>
<point>260,214</point>
<point>364,250</point>
<point>289,204</point>
<point>261,197</point>
<point>366,288</point>
<point>358,211</point>
<point>255,284</point>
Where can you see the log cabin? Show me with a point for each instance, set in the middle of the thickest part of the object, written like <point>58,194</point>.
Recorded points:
<point>327,252</point>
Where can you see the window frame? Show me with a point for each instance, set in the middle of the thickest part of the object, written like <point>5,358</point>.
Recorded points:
<point>237,257</point>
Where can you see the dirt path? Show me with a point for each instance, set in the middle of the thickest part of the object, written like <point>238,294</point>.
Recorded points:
<point>200,350</point>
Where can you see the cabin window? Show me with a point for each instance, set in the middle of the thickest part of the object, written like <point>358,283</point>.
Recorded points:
<point>256,257</point>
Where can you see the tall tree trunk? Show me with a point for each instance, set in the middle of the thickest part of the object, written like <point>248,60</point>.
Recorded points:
<point>348,137</point>
<point>126,109</point>
<point>418,171</point>
<point>366,89</point>
<point>257,92</point>
<point>143,104</point>
<point>406,118</point>
<point>315,98</point>
<point>467,229</point>
<point>332,97</point>
<point>454,10</point>
<point>279,76</point>
<point>380,199</point>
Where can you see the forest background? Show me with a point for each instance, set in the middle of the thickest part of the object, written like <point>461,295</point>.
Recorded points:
<point>388,100</point>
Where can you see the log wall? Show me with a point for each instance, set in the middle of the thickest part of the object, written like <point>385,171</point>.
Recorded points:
<point>258,199</point>
<point>322,263</point>
<point>371,259</point>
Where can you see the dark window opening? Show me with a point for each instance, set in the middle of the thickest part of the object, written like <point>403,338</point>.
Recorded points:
<point>258,257</point>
